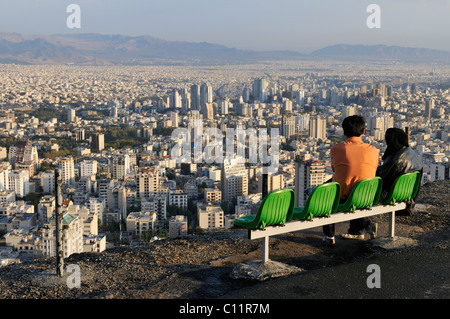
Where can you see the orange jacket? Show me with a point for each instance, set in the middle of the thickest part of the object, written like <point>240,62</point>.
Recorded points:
<point>353,161</point>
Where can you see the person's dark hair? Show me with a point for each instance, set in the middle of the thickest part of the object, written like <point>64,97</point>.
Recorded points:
<point>396,139</point>
<point>354,125</point>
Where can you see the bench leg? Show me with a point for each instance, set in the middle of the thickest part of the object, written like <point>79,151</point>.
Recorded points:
<point>392,225</point>
<point>265,249</point>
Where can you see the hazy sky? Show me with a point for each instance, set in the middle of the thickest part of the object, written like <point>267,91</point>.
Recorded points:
<point>299,25</point>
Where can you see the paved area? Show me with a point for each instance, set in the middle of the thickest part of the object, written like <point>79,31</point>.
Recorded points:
<point>421,272</point>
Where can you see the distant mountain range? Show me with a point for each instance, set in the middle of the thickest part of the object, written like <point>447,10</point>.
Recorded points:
<point>99,49</point>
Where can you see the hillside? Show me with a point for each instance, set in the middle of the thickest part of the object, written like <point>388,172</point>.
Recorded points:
<point>199,267</point>
<point>101,49</point>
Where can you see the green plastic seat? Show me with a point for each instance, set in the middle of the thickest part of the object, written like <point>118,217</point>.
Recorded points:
<point>364,195</point>
<point>404,188</point>
<point>323,201</point>
<point>276,209</point>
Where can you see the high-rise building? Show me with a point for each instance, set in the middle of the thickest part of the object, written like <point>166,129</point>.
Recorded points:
<point>308,174</point>
<point>246,95</point>
<point>117,203</point>
<point>287,125</point>
<point>48,181</point>
<point>224,106</point>
<point>300,97</point>
<point>208,111</point>
<point>378,124</point>
<point>260,92</point>
<point>234,179</point>
<point>156,203</point>
<point>23,152</point>
<point>271,183</point>
<point>429,105</point>
<point>46,207</point>
<point>72,236</point>
<point>71,115</point>
<point>120,166</point>
<point>195,97</point>
<point>66,166</point>
<point>78,134</point>
<point>175,119</point>
<point>19,182</point>
<point>88,168</point>
<point>98,141</point>
<point>287,105</point>
<point>302,122</point>
<point>175,99</point>
<point>146,184</point>
<point>318,128</point>
<point>206,94</point>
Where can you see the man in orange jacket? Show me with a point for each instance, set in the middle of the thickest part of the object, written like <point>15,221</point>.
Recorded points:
<point>352,161</point>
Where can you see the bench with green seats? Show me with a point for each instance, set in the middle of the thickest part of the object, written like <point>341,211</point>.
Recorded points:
<point>322,202</point>
<point>277,214</point>
<point>276,209</point>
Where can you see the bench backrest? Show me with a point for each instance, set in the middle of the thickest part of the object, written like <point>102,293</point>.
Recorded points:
<point>404,188</point>
<point>323,201</point>
<point>276,208</point>
<point>364,195</point>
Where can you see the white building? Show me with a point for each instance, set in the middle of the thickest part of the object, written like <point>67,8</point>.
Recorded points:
<point>308,174</point>
<point>48,181</point>
<point>146,184</point>
<point>19,182</point>
<point>138,223</point>
<point>210,216</point>
<point>234,179</point>
<point>72,236</point>
<point>88,168</point>
<point>66,166</point>
<point>318,128</point>
<point>23,152</point>
<point>46,208</point>
<point>178,198</point>
<point>97,206</point>
<point>157,204</point>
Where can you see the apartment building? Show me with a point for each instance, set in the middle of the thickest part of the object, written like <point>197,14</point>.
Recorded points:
<point>72,236</point>
<point>66,165</point>
<point>138,223</point>
<point>46,208</point>
<point>210,216</point>
<point>146,184</point>
<point>234,179</point>
<point>23,152</point>
<point>178,226</point>
<point>308,174</point>
<point>178,198</point>
<point>88,168</point>
<point>212,195</point>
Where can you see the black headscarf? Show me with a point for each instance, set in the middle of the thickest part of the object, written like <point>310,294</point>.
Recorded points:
<point>396,139</point>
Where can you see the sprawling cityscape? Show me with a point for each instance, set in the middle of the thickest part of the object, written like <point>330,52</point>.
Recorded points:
<point>109,129</point>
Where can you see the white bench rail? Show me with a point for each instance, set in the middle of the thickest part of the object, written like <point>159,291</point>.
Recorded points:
<point>338,217</point>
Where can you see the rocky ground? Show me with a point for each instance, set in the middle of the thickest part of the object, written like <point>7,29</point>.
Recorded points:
<point>199,267</point>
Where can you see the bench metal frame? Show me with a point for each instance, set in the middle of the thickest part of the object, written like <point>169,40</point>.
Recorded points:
<point>338,217</point>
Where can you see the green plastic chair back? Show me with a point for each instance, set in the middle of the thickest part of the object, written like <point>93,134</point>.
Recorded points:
<point>276,209</point>
<point>323,201</point>
<point>404,188</point>
<point>364,195</point>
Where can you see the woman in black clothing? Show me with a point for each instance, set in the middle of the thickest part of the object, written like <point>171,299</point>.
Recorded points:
<point>398,159</point>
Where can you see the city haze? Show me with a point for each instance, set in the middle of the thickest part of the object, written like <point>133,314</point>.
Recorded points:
<point>301,26</point>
